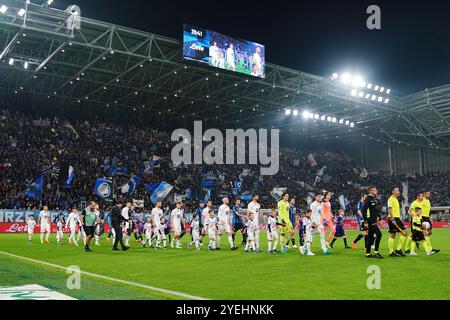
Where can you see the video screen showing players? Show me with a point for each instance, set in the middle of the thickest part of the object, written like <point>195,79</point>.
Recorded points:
<point>220,51</point>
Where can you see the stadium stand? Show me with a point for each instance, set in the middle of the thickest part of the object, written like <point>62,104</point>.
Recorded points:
<point>35,145</point>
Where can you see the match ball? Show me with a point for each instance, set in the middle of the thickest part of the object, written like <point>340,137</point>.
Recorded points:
<point>426,225</point>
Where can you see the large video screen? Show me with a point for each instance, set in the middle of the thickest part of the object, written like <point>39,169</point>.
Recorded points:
<point>220,51</point>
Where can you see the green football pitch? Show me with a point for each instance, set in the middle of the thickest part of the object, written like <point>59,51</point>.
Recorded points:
<point>144,273</point>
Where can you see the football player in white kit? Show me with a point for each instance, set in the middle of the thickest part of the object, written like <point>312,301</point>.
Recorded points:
<point>60,223</point>
<point>44,222</point>
<point>224,224</point>
<point>175,223</point>
<point>148,232</point>
<point>31,223</point>
<point>161,236</point>
<point>126,224</point>
<point>156,215</point>
<point>317,225</point>
<point>71,223</point>
<point>195,230</point>
<point>254,207</point>
<point>272,231</point>
<point>205,216</point>
<point>251,227</point>
<point>231,64</point>
<point>211,230</point>
<point>214,54</point>
<point>309,226</point>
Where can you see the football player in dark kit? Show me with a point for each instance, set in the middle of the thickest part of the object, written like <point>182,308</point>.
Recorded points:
<point>371,216</point>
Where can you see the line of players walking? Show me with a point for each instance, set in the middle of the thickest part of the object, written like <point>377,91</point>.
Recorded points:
<point>161,227</point>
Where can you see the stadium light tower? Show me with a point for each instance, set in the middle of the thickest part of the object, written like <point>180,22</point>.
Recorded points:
<point>361,89</point>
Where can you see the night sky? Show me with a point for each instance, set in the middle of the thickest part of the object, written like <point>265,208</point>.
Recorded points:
<point>409,54</point>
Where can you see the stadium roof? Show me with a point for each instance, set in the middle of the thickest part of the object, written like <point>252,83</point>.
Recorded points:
<point>108,65</point>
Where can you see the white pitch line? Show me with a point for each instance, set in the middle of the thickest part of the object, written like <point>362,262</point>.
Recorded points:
<point>99,276</point>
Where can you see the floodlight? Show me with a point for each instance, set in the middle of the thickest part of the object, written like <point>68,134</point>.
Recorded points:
<point>334,120</point>
<point>368,96</point>
<point>386,101</point>
<point>347,122</point>
<point>295,112</point>
<point>305,114</point>
<point>288,112</point>
<point>346,78</point>
<point>380,99</point>
<point>11,61</point>
<point>382,89</point>
<point>316,116</point>
<point>3,9</point>
<point>341,121</point>
<point>353,92</point>
<point>369,86</point>
<point>388,91</point>
<point>357,81</point>
<point>25,65</point>
<point>376,88</point>
<point>322,118</point>
<point>374,97</point>
<point>352,125</point>
<point>49,2</point>
<point>311,116</point>
<point>335,76</point>
<point>361,94</point>
<point>21,12</point>
<point>329,119</point>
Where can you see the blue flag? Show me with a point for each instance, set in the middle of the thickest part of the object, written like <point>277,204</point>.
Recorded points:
<point>114,171</point>
<point>35,189</point>
<point>130,187</point>
<point>208,183</point>
<point>70,176</point>
<point>103,189</point>
<point>207,196</point>
<point>148,166</point>
<point>161,192</point>
<point>150,187</point>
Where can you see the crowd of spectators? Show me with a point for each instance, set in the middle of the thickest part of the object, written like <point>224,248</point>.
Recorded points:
<point>32,146</point>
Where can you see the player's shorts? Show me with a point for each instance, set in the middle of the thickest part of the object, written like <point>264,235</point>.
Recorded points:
<point>238,226</point>
<point>285,230</point>
<point>161,234</point>
<point>177,229</point>
<point>30,231</point>
<point>417,236</point>
<point>309,235</point>
<point>427,219</point>
<point>212,234</point>
<point>329,224</point>
<point>45,228</point>
<point>340,232</point>
<point>224,228</point>
<point>89,230</point>
<point>272,235</point>
<point>251,236</point>
<point>195,235</point>
<point>393,228</point>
